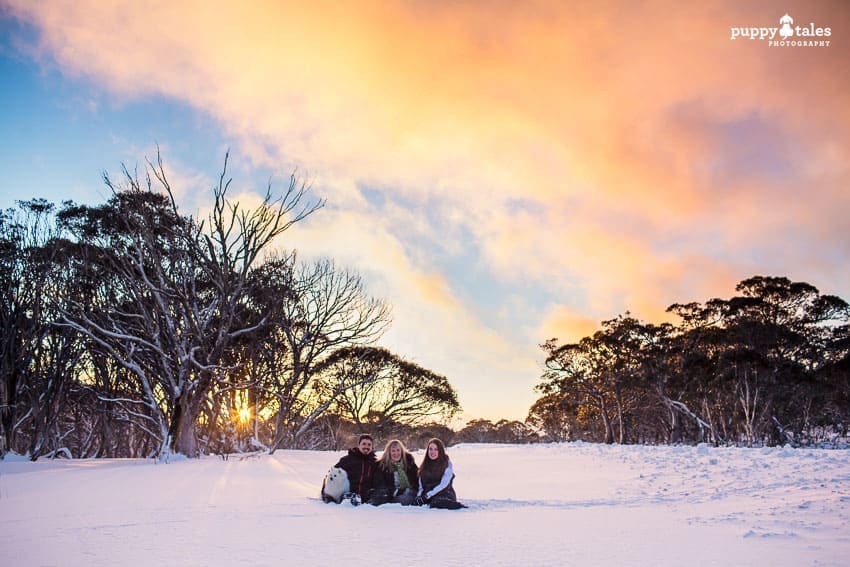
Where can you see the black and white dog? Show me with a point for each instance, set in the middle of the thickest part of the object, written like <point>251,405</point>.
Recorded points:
<point>335,485</point>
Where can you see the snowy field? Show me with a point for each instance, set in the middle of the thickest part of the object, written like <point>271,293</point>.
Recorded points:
<point>570,504</point>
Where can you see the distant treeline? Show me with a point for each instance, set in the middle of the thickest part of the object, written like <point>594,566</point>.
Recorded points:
<point>130,329</point>
<point>770,365</point>
<point>332,432</point>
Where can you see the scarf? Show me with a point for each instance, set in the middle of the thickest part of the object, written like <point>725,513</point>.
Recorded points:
<point>400,476</point>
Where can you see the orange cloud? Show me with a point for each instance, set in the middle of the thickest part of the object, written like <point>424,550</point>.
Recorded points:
<point>567,326</point>
<point>620,156</point>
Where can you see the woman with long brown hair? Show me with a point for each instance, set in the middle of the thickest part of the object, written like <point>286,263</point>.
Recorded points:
<point>435,478</point>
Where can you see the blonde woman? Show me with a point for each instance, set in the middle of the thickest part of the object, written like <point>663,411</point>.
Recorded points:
<point>396,477</point>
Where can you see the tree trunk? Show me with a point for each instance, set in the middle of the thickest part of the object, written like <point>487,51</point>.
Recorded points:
<point>675,425</point>
<point>8,402</point>
<point>182,430</point>
<point>621,423</point>
<point>606,421</point>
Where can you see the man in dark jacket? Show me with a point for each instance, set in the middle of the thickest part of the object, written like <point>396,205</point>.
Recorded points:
<point>360,463</point>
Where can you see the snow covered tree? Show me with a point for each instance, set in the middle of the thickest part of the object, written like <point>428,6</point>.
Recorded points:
<point>312,310</point>
<point>37,359</point>
<point>176,305</point>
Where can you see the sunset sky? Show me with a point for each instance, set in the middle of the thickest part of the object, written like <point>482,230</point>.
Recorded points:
<point>500,172</point>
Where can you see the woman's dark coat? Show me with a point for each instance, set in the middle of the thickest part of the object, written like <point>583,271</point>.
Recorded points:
<point>429,478</point>
<point>385,479</point>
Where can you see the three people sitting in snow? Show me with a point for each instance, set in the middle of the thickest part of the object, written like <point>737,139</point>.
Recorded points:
<point>394,478</point>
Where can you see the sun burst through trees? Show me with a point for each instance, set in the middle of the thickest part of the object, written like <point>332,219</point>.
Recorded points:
<point>244,414</point>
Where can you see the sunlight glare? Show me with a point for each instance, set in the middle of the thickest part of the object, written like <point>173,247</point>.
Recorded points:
<point>244,414</point>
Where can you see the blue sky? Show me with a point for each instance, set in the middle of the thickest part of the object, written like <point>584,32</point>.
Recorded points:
<point>61,132</point>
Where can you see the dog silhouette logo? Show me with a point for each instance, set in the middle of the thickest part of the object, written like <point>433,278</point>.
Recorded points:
<point>786,30</point>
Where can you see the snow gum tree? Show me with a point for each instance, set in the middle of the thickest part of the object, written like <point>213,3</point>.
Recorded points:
<point>768,365</point>
<point>373,386</point>
<point>176,305</point>
<point>36,359</point>
<point>312,310</point>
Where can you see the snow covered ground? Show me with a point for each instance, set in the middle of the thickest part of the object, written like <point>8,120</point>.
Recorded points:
<point>570,504</point>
